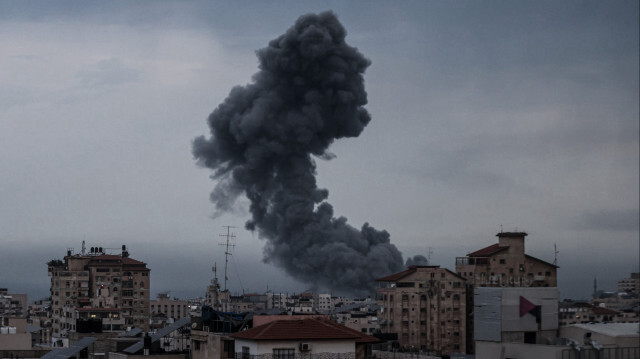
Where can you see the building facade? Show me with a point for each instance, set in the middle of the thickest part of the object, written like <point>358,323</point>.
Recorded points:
<point>426,307</point>
<point>505,264</point>
<point>95,287</point>
<point>170,308</point>
<point>630,285</point>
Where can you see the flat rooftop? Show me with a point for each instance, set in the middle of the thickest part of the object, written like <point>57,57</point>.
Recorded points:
<point>612,329</point>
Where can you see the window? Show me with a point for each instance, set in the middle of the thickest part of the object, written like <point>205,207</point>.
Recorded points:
<point>530,337</point>
<point>287,353</point>
<point>502,261</point>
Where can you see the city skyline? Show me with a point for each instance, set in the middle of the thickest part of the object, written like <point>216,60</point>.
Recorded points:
<point>521,116</point>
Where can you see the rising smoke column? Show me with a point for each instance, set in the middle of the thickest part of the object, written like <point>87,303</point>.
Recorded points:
<point>308,92</point>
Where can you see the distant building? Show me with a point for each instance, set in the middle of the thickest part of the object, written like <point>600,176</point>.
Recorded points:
<point>171,308</point>
<point>571,312</point>
<point>98,292</point>
<point>13,305</point>
<point>630,285</point>
<point>426,307</point>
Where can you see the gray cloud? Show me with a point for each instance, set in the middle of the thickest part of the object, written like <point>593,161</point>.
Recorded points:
<point>111,72</point>
<point>609,220</point>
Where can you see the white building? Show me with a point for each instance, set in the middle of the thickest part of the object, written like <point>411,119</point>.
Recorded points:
<point>288,339</point>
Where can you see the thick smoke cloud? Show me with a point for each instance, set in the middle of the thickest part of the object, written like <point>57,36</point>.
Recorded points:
<point>417,260</point>
<point>309,92</point>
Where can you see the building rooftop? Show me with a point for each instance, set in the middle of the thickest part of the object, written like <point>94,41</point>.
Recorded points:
<point>404,273</point>
<point>612,329</point>
<point>512,234</point>
<point>488,251</point>
<point>304,329</point>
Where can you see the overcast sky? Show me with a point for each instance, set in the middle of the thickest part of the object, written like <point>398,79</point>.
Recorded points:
<point>520,114</point>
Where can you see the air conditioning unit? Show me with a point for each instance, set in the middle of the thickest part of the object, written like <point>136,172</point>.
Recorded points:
<point>305,347</point>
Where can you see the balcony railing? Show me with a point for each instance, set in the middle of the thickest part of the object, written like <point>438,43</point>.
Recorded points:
<point>474,261</point>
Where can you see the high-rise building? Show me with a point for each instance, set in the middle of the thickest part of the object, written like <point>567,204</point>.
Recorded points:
<point>426,307</point>
<point>98,291</point>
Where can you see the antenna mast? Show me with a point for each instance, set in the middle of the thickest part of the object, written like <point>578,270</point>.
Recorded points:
<point>555,255</point>
<point>229,236</point>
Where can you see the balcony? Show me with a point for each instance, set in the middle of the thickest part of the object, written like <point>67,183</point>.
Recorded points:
<point>473,261</point>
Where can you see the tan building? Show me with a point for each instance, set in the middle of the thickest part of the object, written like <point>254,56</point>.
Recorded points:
<point>426,307</point>
<point>630,285</point>
<point>171,308</point>
<point>505,264</point>
<point>97,287</point>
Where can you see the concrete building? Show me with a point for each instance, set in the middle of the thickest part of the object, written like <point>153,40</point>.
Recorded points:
<point>523,319</point>
<point>95,287</point>
<point>630,285</point>
<point>505,264</point>
<point>426,307</point>
<point>609,335</point>
<point>171,308</point>
<point>14,334</point>
<point>288,339</point>
<point>13,305</point>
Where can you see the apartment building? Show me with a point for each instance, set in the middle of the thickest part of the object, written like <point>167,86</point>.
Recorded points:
<point>426,307</point>
<point>13,305</point>
<point>98,291</point>
<point>505,264</point>
<point>170,308</point>
<point>630,285</point>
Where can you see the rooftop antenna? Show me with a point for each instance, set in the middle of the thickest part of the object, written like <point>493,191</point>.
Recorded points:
<point>84,248</point>
<point>555,254</point>
<point>500,228</point>
<point>229,236</point>
<point>429,253</point>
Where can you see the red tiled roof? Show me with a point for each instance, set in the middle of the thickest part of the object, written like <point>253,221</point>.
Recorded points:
<point>487,251</point>
<point>304,329</point>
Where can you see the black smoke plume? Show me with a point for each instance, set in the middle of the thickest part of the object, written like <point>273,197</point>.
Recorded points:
<point>417,260</point>
<point>308,92</point>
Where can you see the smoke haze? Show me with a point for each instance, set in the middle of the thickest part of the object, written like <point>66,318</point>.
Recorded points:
<point>308,92</point>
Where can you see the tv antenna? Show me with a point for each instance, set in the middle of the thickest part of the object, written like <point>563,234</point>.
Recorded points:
<point>429,253</point>
<point>555,255</point>
<point>229,236</point>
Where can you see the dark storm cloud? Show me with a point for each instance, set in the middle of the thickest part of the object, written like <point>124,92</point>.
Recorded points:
<point>610,220</point>
<point>308,93</point>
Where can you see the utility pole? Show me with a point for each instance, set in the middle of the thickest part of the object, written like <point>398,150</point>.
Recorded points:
<point>229,236</point>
